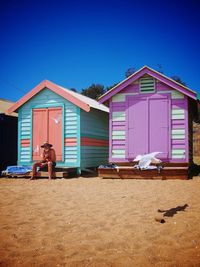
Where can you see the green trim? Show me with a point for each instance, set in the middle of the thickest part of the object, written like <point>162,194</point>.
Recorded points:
<point>118,151</point>
<point>78,112</point>
<point>120,137</point>
<point>178,151</point>
<point>116,133</point>
<point>178,131</point>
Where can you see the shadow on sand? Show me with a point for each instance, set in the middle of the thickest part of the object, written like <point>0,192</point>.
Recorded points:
<point>171,212</point>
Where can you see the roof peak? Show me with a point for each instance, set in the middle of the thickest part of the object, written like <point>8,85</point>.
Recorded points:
<point>138,74</point>
<point>77,99</point>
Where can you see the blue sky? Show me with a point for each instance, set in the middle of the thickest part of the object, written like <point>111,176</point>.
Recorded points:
<point>77,43</point>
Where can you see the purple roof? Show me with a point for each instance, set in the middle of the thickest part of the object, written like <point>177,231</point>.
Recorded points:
<point>138,74</point>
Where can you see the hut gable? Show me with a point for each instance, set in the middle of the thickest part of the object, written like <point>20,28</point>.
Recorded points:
<point>79,100</point>
<point>145,72</point>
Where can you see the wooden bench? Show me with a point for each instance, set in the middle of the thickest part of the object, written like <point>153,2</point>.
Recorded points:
<point>129,172</point>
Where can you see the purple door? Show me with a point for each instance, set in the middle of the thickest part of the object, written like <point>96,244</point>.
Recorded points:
<point>147,125</point>
<point>159,126</point>
<point>137,132</point>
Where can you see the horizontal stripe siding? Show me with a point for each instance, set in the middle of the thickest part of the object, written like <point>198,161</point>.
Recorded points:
<point>178,146</point>
<point>178,134</point>
<point>25,154</point>
<point>118,142</point>
<point>178,141</point>
<point>178,153</point>
<point>25,125</point>
<point>118,128</point>
<point>118,123</point>
<point>116,133</point>
<point>71,128</point>
<point>178,112</point>
<point>70,133</point>
<point>97,151</point>
<point>180,126</point>
<point>94,156</point>
<point>177,95</point>
<point>178,122</point>
<point>118,116</point>
<point>122,97</point>
<point>118,152</point>
<point>118,147</point>
<point>118,106</point>
<point>118,137</point>
<point>178,131</point>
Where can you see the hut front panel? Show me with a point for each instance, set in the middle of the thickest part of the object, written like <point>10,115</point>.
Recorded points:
<point>70,128</point>
<point>178,126</point>
<point>94,138</point>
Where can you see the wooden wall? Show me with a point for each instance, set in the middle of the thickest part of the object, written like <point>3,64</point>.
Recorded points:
<point>94,138</point>
<point>196,142</point>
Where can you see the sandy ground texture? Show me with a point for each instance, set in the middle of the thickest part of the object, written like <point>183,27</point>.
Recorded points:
<point>99,222</point>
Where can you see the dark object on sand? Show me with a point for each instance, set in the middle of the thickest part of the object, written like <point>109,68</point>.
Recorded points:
<point>159,219</point>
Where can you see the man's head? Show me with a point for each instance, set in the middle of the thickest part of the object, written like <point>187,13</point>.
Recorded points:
<point>46,145</point>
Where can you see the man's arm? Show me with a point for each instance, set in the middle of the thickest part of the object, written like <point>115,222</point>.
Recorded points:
<point>53,155</point>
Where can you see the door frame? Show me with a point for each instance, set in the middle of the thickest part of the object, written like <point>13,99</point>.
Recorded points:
<point>147,97</point>
<point>62,106</point>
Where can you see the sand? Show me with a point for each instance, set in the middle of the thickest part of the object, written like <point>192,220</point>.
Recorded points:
<point>99,222</point>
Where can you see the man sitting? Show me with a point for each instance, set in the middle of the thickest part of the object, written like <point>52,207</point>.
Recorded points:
<point>48,160</point>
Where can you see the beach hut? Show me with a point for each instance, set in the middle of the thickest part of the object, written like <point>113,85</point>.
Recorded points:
<point>8,135</point>
<point>150,112</point>
<point>196,136</point>
<point>76,125</point>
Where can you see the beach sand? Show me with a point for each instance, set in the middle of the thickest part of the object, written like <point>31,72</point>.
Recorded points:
<point>99,222</point>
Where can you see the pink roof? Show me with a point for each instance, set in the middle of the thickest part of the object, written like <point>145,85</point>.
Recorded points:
<point>79,100</point>
<point>157,75</point>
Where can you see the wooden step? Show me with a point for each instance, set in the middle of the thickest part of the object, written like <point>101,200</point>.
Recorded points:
<point>62,174</point>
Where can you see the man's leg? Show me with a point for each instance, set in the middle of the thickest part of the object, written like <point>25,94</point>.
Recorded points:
<point>34,170</point>
<point>50,169</point>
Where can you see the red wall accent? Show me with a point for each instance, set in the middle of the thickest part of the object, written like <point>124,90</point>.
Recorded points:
<point>25,142</point>
<point>87,141</point>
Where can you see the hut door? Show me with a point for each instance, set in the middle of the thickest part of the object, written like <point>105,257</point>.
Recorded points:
<point>47,126</point>
<point>137,127</point>
<point>159,126</point>
<point>148,125</point>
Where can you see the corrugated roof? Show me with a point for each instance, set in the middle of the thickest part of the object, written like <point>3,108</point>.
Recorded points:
<point>91,102</point>
<point>77,99</point>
